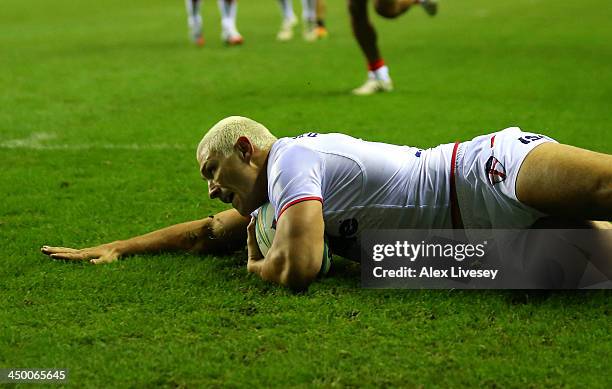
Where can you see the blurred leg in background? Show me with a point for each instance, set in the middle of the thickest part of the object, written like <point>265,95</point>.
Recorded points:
<point>194,21</point>
<point>229,32</point>
<point>313,14</point>
<point>289,22</point>
<point>321,31</point>
<point>378,73</point>
<point>309,20</point>
<point>228,10</point>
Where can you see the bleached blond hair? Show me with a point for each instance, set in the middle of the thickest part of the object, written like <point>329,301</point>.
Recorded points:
<point>222,137</point>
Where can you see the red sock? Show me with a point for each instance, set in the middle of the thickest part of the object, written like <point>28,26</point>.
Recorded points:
<point>375,65</point>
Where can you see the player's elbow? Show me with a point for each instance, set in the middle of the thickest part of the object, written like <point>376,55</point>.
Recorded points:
<point>296,271</point>
<point>212,236</point>
<point>200,240</point>
<point>602,198</point>
<point>594,200</point>
<point>298,278</point>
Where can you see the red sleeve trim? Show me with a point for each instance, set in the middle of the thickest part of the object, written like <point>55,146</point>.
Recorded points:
<point>298,201</point>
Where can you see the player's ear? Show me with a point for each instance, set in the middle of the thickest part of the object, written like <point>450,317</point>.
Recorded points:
<point>245,148</point>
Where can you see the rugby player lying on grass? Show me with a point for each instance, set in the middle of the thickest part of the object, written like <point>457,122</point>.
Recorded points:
<point>339,186</point>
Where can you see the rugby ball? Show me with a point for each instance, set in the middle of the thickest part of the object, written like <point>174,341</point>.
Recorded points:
<point>265,228</point>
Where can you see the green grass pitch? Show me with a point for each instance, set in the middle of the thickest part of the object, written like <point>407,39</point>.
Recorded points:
<point>101,106</point>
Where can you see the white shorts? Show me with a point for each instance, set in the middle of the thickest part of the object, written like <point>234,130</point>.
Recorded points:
<point>486,172</point>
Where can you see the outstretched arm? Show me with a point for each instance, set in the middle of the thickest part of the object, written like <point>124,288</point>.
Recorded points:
<point>223,232</point>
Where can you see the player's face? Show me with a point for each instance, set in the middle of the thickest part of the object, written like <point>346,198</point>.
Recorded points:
<point>233,180</point>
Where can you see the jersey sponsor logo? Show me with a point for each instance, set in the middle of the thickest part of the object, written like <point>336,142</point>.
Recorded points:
<point>348,227</point>
<point>495,171</point>
<point>306,135</point>
<point>529,138</point>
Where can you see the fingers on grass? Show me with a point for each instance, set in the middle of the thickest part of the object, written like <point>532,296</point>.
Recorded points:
<point>68,256</point>
<point>101,260</point>
<point>56,250</point>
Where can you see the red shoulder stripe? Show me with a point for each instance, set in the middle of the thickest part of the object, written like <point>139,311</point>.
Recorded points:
<point>298,201</point>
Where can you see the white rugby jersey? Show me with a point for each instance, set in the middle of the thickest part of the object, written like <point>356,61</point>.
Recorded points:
<point>362,185</point>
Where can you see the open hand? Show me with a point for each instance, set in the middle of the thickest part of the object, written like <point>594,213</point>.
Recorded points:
<point>96,255</point>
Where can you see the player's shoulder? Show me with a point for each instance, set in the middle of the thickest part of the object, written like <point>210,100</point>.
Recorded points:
<point>288,146</point>
<point>287,152</point>
<point>304,143</point>
<point>312,145</point>
<point>315,141</point>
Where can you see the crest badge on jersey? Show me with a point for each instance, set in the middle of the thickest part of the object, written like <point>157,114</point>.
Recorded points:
<point>348,227</point>
<point>495,171</point>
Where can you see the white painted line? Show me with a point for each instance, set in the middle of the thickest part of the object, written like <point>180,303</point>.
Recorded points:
<point>39,141</point>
